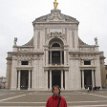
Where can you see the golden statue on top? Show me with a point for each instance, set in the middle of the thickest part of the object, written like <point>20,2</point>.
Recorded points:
<point>55,4</point>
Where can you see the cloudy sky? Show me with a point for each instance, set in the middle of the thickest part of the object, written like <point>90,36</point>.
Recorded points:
<point>16,18</point>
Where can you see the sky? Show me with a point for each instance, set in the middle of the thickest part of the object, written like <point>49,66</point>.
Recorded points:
<point>16,17</point>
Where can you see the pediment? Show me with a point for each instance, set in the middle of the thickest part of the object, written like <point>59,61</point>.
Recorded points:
<point>56,16</point>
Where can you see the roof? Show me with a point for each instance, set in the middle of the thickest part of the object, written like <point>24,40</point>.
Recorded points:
<point>29,44</point>
<point>83,44</point>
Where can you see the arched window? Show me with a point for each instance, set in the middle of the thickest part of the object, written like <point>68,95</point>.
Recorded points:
<point>56,51</point>
<point>55,45</point>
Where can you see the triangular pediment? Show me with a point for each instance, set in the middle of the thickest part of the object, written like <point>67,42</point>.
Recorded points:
<point>56,16</point>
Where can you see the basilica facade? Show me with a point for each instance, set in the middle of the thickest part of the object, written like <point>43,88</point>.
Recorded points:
<point>55,55</point>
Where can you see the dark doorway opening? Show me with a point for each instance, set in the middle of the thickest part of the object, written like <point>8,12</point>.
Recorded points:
<point>24,80</point>
<point>56,78</point>
<point>88,78</point>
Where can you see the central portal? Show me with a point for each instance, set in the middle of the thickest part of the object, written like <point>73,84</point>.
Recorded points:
<point>56,78</point>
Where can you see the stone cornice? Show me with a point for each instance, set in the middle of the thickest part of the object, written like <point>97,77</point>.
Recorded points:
<point>66,68</point>
<point>26,53</point>
<point>88,46</point>
<point>24,68</point>
<point>60,23</point>
<point>83,52</point>
<point>9,58</point>
<point>23,46</point>
<point>87,67</point>
<point>102,57</point>
<point>39,26</point>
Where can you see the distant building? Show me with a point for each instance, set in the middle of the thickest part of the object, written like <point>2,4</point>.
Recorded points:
<point>2,82</point>
<point>55,55</point>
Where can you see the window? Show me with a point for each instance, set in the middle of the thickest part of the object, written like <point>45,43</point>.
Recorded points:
<point>55,45</point>
<point>56,57</point>
<point>24,62</point>
<point>87,62</point>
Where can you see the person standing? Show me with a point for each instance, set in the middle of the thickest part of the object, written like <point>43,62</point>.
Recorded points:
<point>56,100</point>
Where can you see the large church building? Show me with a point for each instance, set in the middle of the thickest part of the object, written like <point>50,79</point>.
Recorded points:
<point>55,56</point>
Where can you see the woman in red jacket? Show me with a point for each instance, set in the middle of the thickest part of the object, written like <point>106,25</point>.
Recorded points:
<point>56,100</point>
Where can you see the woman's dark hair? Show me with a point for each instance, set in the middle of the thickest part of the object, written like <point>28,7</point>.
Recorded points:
<point>56,86</point>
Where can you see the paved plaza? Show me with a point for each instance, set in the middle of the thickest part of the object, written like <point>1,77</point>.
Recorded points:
<point>38,99</point>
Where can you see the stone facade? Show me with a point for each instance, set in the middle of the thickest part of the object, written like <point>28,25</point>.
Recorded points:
<point>55,55</point>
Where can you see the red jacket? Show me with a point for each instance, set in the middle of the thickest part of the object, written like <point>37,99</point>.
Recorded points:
<point>53,102</point>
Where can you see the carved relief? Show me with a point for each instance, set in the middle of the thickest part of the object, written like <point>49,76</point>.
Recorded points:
<point>56,17</point>
<point>56,35</point>
<point>24,58</point>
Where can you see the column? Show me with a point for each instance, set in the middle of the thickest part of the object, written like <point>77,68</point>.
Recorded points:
<point>29,80</point>
<point>65,58</point>
<point>46,57</point>
<point>62,79</point>
<point>50,79</point>
<point>19,79</point>
<point>93,79</point>
<point>66,80</point>
<point>46,85</point>
<point>50,57</point>
<point>82,79</point>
